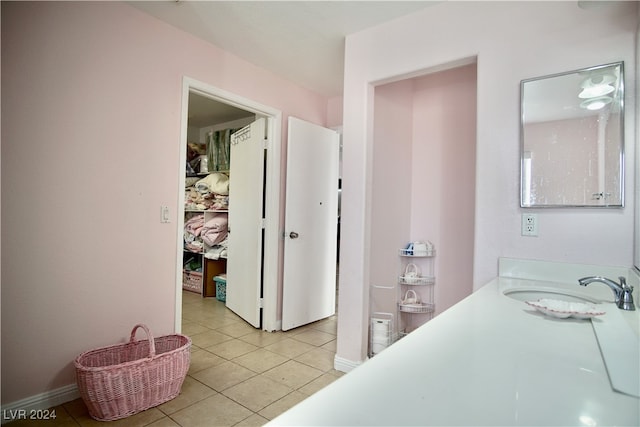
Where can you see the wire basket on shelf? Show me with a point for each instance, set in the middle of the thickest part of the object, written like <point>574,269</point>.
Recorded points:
<point>419,307</point>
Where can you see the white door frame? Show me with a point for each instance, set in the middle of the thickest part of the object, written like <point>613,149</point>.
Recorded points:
<point>272,195</point>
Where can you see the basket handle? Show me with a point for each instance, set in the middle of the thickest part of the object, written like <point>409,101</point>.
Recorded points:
<point>411,270</point>
<point>408,300</point>
<point>152,345</point>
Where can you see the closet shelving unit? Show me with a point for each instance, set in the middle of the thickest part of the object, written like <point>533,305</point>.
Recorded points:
<point>200,279</point>
<point>415,286</point>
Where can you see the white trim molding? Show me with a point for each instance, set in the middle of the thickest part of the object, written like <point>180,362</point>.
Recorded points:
<point>272,233</point>
<point>24,409</point>
<point>345,365</point>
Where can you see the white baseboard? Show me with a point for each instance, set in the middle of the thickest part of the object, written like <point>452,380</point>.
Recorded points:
<point>22,409</point>
<point>345,365</point>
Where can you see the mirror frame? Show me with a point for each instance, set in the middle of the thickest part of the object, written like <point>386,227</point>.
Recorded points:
<point>621,188</point>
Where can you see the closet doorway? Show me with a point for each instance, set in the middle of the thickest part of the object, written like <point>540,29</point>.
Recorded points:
<point>206,109</point>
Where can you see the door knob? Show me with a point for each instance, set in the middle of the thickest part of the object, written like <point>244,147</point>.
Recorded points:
<point>293,235</point>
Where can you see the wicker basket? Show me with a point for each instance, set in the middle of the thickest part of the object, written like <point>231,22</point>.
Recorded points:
<point>192,281</point>
<point>124,379</point>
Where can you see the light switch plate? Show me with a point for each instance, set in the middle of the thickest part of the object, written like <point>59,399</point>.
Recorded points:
<point>164,214</point>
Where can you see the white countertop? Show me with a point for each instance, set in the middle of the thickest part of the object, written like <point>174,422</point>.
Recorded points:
<point>488,360</point>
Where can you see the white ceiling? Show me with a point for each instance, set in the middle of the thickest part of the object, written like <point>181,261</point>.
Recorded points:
<point>302,41</point>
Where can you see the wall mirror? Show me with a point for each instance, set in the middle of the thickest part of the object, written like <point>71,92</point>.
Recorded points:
<point>572,139</point>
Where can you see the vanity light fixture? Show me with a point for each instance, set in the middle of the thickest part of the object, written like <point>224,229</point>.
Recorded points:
<point>596,103</point>
<point>597,84</point>
<point>596,91</point>
<point>598,79</point>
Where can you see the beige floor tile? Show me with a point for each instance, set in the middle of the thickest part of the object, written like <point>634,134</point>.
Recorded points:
<point>258,392</point>
<point>318,384</point>
<point>293,374</point>
<point>331,346</point>
<point>314,337</point>
<point>164,422</point>
<point>217,410</point>
<point>209,338</point>
<point>262,338</point>
<point>254,420</point>
<point>329,326</point>
<point>232,349</point>
<point>223,376</point>
<point>210,325</point>
<point>289,347</point>
<point>203,359</point>
<point>282,405</point>
<point>318,358</point>
<point>141,419</point>
<point>292,332</point>
<point>237,329</point>
<point>79,412</point>
<point>260,360</point>
<point>192,328</point>
<point>195,316</point>
<point>192,391</point>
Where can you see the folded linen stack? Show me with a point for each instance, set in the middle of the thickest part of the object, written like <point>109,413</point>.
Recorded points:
<point>217,183</point>
<point>218,251</point>
<point>204,235</point>
<point>192,230</point>
<point>214,230</point>
<point>208,193</point>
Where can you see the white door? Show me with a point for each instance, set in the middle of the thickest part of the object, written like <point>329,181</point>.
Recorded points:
<point>244,263</point>
<point>311,221</point>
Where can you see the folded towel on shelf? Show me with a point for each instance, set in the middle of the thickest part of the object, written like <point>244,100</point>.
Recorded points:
<point>214,230</point>
<point>217,222</point>
<point>194,225</point>
<point>217,251</point>
<point>217,183</point>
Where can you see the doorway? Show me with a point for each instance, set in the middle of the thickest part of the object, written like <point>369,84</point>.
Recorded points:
<point>230,107</point>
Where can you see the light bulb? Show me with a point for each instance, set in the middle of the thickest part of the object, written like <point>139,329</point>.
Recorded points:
<point>596,91</point>
<point>596,103</point>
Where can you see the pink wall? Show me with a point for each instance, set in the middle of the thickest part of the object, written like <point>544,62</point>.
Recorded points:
<point>334,112</point>
<point>423,178</point>
<point>561,151</point>
<point>391,180</point>
<point>444,178</point>
<point>565,160</point>
<point>512,41</point>
<point>423,182</point>
<point>91,112</point>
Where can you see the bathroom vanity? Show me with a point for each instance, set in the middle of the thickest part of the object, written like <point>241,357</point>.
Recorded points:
<point>492,360</point>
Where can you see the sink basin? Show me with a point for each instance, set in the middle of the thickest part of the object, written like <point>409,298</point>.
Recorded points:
<point>533,294</point>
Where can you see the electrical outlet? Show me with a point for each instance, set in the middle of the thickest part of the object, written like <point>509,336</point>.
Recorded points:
<point>529,225</point>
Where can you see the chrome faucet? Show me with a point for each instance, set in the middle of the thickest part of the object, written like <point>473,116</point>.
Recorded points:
<point>622,291</point>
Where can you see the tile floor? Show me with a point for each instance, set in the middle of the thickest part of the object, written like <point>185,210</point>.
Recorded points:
<point>239,376</point>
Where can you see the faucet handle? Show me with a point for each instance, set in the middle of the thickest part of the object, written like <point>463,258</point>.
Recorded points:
<point>623,284</point>
<point>625,301</point>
